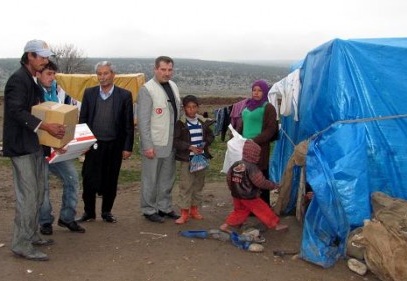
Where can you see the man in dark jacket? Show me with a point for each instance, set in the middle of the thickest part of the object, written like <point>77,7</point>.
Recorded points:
<point>21,144</point>
<point>108,111</point>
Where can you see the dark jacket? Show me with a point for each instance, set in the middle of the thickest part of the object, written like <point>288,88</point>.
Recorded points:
<point>20,95</point>
<point>238,180</point>
<point>268,134</point>
<point>244,178</point>
<point>182,138</point>
<point>122,110</point>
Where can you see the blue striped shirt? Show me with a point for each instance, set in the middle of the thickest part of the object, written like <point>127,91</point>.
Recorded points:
<point>196,134</point>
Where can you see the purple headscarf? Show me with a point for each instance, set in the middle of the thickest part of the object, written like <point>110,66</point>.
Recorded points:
<point>252,104</point>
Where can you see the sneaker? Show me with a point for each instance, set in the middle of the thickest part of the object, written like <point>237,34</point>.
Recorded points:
<point>253,235</point>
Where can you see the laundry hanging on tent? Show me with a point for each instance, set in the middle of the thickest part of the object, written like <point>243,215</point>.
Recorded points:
<point>288,90</point>
<point>236,112</point>
<point>222,119</point>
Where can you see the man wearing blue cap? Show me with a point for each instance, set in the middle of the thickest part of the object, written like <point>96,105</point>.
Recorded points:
<point>21,144</point>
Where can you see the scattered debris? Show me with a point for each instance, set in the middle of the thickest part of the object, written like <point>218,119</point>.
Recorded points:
<point>218,235</point>
<point>256,248</point>
<point>155,235</point>
<point>282,253</point>
<point>253,235</point>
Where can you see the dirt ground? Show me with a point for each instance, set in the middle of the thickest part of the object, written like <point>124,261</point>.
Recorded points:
<point>135,249</point>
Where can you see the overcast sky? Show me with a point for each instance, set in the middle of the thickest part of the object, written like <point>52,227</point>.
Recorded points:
<point>222,30</point>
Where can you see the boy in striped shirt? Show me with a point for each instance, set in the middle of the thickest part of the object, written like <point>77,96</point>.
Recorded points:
<point>192,136</point>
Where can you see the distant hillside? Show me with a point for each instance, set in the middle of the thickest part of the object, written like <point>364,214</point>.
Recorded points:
<point>193,76</point>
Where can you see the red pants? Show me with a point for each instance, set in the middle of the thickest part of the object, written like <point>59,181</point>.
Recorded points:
<point>243,208</point>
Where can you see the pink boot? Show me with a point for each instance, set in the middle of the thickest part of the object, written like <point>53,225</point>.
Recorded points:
<point>194,213</point>
<point>184,217</point>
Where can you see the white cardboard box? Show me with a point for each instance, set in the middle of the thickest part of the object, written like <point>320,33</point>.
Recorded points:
<point>83,139</point>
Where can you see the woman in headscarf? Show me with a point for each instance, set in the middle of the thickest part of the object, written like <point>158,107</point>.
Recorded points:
<point>259,123</point>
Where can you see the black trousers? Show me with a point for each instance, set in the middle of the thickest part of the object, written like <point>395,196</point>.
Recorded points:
<point>100,174</point>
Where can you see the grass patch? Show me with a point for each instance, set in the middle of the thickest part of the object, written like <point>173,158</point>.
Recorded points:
<point>131,171</point>
<point>5,162</point>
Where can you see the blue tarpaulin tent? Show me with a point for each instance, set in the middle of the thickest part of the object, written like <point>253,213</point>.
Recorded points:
<point>353,111</point>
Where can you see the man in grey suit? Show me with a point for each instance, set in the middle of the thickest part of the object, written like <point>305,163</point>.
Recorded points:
<point>158,108</point>
<point>108,111</point>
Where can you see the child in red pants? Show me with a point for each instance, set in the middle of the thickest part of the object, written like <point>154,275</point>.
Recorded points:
<point>245,180</point>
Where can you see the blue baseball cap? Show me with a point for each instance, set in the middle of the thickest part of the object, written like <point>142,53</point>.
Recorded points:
<point>39,47</point>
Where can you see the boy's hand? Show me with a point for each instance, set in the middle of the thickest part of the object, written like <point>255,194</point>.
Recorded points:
<point>196,150</point>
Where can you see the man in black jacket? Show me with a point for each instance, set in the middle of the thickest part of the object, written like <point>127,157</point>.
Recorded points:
<point>108,111</point>
<point>21,144</point>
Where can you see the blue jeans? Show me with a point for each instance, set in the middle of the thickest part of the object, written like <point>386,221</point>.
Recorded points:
<point>67,172</point>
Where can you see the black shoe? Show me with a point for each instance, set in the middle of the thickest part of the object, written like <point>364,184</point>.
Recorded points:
<point>171,215</point>
<point>85,217</point>
<point>108,217</point>
<point>43,242</point>
<point>72,226</point>
<point>46,229</point>
<point>154,218</point>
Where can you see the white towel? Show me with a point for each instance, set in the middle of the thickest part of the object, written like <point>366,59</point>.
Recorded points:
<point>288,90</point>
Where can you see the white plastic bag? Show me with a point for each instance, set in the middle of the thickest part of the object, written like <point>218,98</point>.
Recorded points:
<point>234,149</point>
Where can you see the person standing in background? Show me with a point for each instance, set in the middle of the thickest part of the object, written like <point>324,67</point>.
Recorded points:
<point>108,111</point>
<point>259,123</point>
<point>21,144</point>
<point>158,109</point>
<point>64,170</point>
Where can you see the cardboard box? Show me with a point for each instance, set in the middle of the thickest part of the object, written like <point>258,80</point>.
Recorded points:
<point>83,139</point>
<point>53,112</point>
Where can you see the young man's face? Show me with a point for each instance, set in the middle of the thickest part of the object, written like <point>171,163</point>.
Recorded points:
<point>46,77</point>
<point>191,109</point>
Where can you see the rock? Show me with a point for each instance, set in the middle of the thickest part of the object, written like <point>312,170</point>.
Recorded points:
<point>357,266</point>
<point>254,247</point>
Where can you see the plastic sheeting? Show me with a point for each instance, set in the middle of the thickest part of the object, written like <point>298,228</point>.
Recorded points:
<point>75,84</point>
<point>353,111</point>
